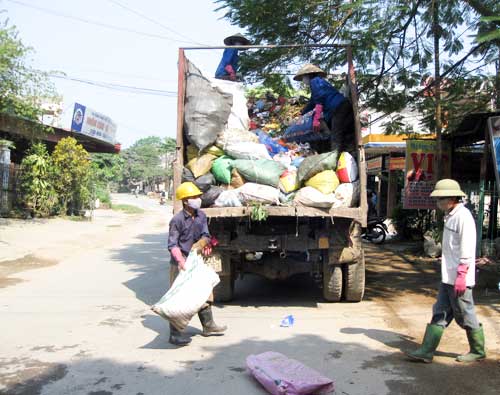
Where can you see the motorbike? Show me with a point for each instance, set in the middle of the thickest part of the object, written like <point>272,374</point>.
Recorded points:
<point>375,231</point>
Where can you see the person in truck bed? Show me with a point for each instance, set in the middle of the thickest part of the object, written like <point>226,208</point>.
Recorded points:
<point>228,66</point>
<point>189,232</point>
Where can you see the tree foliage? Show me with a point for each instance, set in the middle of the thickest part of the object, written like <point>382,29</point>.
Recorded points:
<point>22,88</point>
<point>392,47</point>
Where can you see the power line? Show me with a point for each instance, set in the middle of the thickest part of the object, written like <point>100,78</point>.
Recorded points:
<point>153,21</point>
<point>119,87</point>
<point>96,23</point>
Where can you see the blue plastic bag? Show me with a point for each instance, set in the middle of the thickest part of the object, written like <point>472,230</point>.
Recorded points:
<point>272,146</point>
<point>288,321</point>
<point>302,130</point>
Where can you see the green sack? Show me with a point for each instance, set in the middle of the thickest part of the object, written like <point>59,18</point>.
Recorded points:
<point>221,169</point>
<point>315,164</point>
<point>261,171</point>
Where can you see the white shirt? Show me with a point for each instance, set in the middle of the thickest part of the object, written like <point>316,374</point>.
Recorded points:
<point>459,245</point>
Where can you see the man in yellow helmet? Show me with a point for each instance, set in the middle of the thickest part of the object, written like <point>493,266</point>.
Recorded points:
<point>454,300</point>
<point>189,232</point>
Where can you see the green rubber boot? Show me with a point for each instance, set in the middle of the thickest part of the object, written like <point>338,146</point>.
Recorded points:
<point>425,352</point>
<point>476,343</point>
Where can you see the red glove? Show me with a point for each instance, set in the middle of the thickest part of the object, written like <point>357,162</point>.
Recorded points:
<point>178,257</point>
<point>231,72</point>
<point>460,282</point>
<point>318,111</point>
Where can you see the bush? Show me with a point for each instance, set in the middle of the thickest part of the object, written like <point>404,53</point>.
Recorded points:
<point>412,224</point>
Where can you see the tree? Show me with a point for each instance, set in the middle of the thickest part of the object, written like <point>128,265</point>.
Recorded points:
<point>71,175</point>
<point>37,187</point>
<point>22,88</point>
<point>394,42</point>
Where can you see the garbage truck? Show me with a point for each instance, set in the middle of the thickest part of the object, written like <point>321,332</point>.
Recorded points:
<point>292,239</point>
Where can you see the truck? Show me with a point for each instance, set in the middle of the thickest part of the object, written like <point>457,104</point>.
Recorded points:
<point>326,243</point>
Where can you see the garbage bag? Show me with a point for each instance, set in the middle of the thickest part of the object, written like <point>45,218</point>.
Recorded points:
<point>229,198</point>
<point>236,179</point>
<point>221,169</point>
<point>251,192</point>
<point>301,130</point>
<point>311,197</point>
<point>315,164</point>
<point>214,150</point>
<point>247,150</point>
<point>238,117</point>
<point>192,152</point>
<point>201,165</point>
<point>326,181</point>
<point>280,375</point>
<point>205,182</point>
<point>206,109</point>
<point>260,171</point>
<point>188,293</point>
<point>230,136</point>
<point>347,195</point>
<point>273,147</point>
<point>288,181</point>
<point>187,175</point>
<point>209,197</point>
<point>347,168</point>
<point>432,248</point>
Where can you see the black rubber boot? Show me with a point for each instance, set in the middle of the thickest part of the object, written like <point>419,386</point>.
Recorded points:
<point>210,328</point>
<point>177,338</point>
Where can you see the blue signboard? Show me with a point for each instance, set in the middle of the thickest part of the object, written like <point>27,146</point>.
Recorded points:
<point>78,118</point>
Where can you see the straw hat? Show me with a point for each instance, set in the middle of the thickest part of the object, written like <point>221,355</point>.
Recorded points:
<point>231,40</point>
<point>309,69</point>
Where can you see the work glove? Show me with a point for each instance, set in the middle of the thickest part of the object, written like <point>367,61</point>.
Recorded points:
<point>178,257</point>
<point>231,72</point>
<point>200,245</point>
<point>460,282</point>
<point>318,112</point>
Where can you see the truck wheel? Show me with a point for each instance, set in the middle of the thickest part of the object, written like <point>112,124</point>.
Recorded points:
<point>354,277</point>
<point>223,292</point>
<point>332,282</point>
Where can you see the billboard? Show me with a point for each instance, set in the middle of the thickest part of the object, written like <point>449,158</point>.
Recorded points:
<point>420,172</point>
<point>91,123</point>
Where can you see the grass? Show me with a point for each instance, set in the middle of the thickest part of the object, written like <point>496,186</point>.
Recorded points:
<point>128,208</point>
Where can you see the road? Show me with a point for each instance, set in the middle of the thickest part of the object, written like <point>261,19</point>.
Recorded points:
<point>80,322</point>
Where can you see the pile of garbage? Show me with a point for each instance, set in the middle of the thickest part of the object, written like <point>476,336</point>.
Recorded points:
<point>237,161</point>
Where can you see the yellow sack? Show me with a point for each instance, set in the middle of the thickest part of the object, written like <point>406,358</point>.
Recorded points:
<point>289,182</point>
<point>191,152</point>
<point>214,150</point>
<point>326,181</point>
<point>202,165</point>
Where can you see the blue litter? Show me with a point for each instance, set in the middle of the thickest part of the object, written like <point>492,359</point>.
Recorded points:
<point>287,322</point>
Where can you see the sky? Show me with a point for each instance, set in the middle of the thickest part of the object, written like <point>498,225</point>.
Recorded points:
<point>140,50</point>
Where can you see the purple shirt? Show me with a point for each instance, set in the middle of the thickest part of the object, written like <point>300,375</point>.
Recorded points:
<point>185,230</point>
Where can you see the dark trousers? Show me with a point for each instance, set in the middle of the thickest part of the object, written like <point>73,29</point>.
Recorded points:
<point>449,307</point>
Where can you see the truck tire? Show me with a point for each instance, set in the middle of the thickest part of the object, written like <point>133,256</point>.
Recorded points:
<point>332,282</point>
<point>354,277</point>
<point>223,292</point>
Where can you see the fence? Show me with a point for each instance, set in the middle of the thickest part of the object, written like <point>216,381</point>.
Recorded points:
<point>10,187</point>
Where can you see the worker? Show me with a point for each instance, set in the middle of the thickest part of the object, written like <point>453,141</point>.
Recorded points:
<point>228,66</point>
<point>328,103</point>
<point>189,232</point>
<point>454,300</point>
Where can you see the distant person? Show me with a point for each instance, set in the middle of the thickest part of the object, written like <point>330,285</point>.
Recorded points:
<point>328,102</point>
<point>189,232</point>
<point>458,271</point>
<point>228,66</point>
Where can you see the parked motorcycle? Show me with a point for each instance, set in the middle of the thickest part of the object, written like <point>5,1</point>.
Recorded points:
<point>375,231</point>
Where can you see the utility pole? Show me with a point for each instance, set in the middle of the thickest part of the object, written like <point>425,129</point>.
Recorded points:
<point>436,29</point>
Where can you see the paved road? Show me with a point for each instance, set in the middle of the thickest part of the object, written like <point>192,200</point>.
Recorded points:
<point>83,326</point>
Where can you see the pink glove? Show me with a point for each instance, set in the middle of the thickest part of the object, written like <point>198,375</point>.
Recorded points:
<point>231,72</point>
<point>460,283</point>
<point>318,111</point>
<point>179,258</point>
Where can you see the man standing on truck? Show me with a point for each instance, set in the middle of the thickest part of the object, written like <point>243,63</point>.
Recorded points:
<point>189,232</point>
<point>228,65</point>
<point>454,300</point>
<point>326,100</point>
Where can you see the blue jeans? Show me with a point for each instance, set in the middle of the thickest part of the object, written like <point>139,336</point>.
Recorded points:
<point>449,307</point>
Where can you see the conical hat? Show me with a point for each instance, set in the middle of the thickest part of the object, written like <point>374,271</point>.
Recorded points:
<point>236,37</point>
<point>308,69</point>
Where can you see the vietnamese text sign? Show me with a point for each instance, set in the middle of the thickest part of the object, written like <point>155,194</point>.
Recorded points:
<point>397,163</point>
<point>91,123</point>
<point>374,165</point>
<point>420,173</point>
